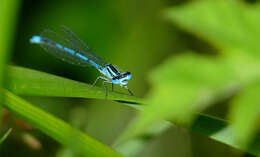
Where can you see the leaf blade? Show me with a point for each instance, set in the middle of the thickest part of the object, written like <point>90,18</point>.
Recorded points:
<point>24,81</point>
<point>5,135</point>
<point>56,128</point>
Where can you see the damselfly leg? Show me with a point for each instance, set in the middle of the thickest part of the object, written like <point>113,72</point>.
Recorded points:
<point>129,91</point>
<point>94,83</point>
<point>106,81</point>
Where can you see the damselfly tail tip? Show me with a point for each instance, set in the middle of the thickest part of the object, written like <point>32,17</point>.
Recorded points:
<point>35,39</point>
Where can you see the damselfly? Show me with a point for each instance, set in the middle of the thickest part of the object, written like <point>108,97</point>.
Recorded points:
<point>74,51</point>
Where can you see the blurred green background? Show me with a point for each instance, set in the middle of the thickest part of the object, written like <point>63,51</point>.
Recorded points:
<point>134,35</point>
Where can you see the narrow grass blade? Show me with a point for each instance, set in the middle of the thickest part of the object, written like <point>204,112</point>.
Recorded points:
<point>5,135</point>
<point>56,128</point>
<point>24,81</point>
<point>8,10</point>
<point>221,131</point>
<point>204,124</point>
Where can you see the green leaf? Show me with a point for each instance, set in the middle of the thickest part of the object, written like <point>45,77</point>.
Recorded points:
<point>24,81</point>
<point>220,130</point>
<point>209,126</point>
<point>132,147</point>
<point>244,113</point>
<point>8,12</point>
<point>228,24</point>
<point>183,86</point>
<point>233,27</point>
<point>214,128</point>
<point>5,135</point>
<point>56,128</point>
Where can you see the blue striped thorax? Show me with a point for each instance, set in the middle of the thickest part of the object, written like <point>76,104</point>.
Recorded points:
<point>115,75</point>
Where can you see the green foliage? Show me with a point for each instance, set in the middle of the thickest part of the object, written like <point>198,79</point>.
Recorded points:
<point>8,12</point>
<point>182,87</point>
<point>234,27</point>
<point>209,126</point>
<point>5,135</point>
<point>56,128</point>
<point>245,112</point>
<point>206,125</point>
<point>25,81</point>
<point>187,84</point>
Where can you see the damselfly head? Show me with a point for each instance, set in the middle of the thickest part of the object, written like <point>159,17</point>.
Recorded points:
<point>125,77</point>
<point>35,39</point>
<point>122,79</point>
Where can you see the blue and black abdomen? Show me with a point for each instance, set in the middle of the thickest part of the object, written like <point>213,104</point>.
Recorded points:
<point>64,53</point>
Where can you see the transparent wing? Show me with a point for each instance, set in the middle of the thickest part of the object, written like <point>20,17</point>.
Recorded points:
<point>63,49</point>
<point>55,45</point>
<point>80,46</point>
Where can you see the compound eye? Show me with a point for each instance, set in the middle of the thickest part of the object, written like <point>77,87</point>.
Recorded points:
<point>129,76</point>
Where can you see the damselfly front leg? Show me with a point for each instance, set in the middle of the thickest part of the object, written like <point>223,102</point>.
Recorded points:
<point>94,83</point>
<point>129,91</point>
<point>106,80</point>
